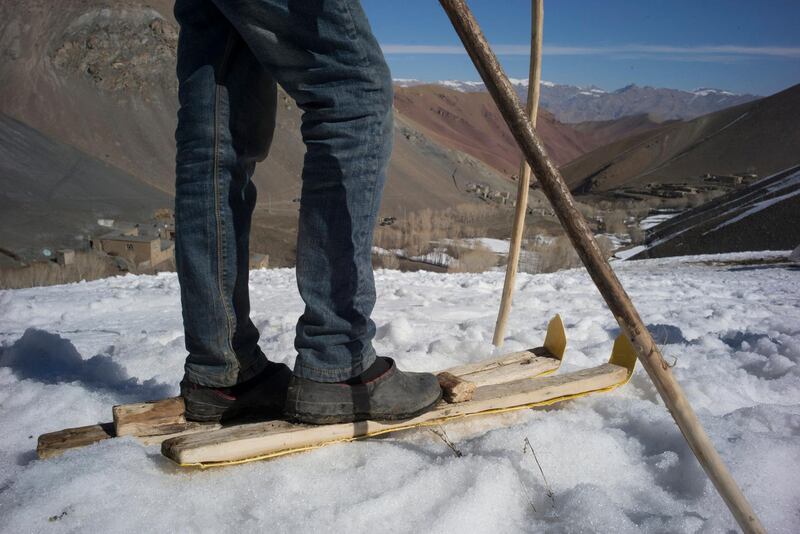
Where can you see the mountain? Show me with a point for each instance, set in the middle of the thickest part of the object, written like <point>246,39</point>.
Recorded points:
<point>470,122</point>
<point>757,137</point>
<point>99,76</point>
<point>600,133</point>
<point>762,216</point>
<point>572,104</point>
<point>52,194</point>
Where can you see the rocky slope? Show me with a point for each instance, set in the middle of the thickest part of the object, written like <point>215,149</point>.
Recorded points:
<point>99,76</point>
<point>52,194</point>
<point>762,216</point>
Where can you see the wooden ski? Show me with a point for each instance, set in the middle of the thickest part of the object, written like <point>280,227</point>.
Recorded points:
<point>260,441</point>
<point>156,421</point>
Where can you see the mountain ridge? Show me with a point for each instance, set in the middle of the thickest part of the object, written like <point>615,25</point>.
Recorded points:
<point>758,137</point>
<point>573,104</point>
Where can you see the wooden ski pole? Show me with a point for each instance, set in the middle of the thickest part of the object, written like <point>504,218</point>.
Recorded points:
<point>597,265</point>
<point>534,79</point>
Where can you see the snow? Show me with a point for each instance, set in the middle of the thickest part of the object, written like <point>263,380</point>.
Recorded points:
<point>437,256</point>
<point>406,82</point>
<point>755,208</point>
<point>657,218</point>
<point>615,462</point>
<point>789,183</point>
<point>498,246</point>
<point>629,252</point>
<point>705,91</point>
<point>460,85</point>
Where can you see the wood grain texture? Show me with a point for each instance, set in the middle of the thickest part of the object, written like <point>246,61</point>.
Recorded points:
<point>54,443</point>
<point>259,439</point>
<point>512,366</point>
<point>454,389</point>
<point>150,418</point>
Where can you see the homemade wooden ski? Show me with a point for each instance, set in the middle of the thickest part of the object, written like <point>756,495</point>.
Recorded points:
<point>260,441</point>
<point>155,421</point>
<point>509,382</point>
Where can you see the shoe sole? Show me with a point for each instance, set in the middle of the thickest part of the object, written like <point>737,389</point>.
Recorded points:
<point>318,419</point>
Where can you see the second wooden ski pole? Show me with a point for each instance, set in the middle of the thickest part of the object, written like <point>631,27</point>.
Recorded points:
<point>524,182</point>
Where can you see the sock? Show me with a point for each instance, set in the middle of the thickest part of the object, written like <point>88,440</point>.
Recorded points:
<point>380,366</point>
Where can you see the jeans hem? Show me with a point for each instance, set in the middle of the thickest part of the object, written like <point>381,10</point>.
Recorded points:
<point>317,374</point>
<point>229,376</point>
<point>252,370</point>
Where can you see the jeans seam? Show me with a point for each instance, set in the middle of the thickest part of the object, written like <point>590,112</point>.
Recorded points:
<point>218,221</point>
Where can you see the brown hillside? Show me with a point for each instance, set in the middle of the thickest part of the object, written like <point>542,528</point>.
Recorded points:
<point>100,76</point>
<point>601,133</point>
<point>470,122</point>
<point>760,137</point>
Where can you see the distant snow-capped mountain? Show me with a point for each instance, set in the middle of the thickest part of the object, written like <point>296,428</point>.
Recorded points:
<point>570,103</point>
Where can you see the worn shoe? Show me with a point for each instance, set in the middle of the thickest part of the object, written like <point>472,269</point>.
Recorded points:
<point>391,396</point>
<point>264,395</point>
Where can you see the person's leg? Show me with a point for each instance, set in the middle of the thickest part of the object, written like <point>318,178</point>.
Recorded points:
<point>325,56</point>
<point>225,125</point>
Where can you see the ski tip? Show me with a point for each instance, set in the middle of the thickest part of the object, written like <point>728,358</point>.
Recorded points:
<point>623,354</point>
<point>556,339</point>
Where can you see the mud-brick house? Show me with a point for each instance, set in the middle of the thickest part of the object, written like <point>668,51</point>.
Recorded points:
<point>143,250</point>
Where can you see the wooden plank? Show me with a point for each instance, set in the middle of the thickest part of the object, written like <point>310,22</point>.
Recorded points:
<point>454,389</point>
<point>260,439</point>
<point>190,428</point>
<point>54,443</point>
<point>151,418</point>
<point>514,366</point>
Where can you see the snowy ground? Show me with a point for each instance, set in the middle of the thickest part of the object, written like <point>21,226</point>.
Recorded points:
<point>615,462</point>
<point>657,218</point>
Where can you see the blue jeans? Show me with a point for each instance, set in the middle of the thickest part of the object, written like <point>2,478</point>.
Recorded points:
<point>231,53</point>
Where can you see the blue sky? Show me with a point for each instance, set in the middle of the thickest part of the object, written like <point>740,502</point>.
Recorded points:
<point>741,45</point>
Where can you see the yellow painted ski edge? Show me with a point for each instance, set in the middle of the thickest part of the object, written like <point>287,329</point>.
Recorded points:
<point>555,341</point>
<point>622,355</point>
